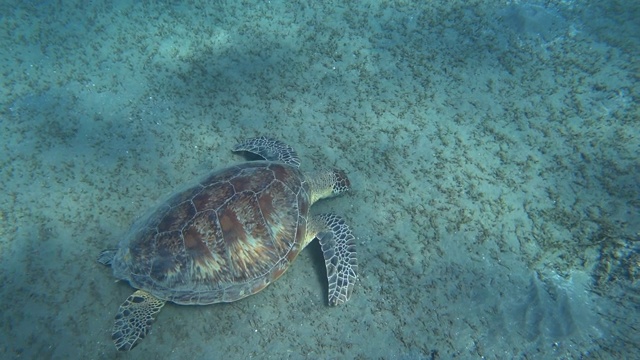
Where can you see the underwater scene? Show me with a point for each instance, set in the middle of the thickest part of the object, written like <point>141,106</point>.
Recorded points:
<point>490,149</point>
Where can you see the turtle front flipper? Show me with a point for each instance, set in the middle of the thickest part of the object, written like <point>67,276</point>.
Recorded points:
<point>134,319</point>
<point>339,248</point>
<point>269,149</point>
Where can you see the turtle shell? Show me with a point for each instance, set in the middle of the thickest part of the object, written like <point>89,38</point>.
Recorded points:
<point>221,240</point>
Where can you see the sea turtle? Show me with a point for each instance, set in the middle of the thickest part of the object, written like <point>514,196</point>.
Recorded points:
<point>230,236</point>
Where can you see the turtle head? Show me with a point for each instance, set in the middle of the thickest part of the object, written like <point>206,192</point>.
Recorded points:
<point>340,182</point>
<point>328,183</point>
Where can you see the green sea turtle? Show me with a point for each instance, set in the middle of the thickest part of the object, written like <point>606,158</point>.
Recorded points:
<point>230,236</point>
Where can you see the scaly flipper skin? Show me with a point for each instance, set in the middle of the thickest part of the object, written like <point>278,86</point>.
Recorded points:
<point>339,249</point>
<point>134,319</point>
<point>270,149</point>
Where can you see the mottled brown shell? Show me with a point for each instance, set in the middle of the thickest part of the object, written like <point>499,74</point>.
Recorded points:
<point>226,238</point>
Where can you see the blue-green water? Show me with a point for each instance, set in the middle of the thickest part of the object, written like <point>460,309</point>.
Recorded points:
<point>492,146</point>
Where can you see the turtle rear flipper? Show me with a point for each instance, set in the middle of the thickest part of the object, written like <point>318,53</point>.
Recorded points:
<point>339,250</point>
<point>106,256</point>
<point>269,149</point>
<point>134,319</point>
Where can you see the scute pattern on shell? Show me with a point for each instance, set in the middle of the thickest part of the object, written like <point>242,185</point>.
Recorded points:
<point>221,240</point>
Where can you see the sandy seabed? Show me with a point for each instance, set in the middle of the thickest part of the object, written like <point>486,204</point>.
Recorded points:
<point>492,145</point>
